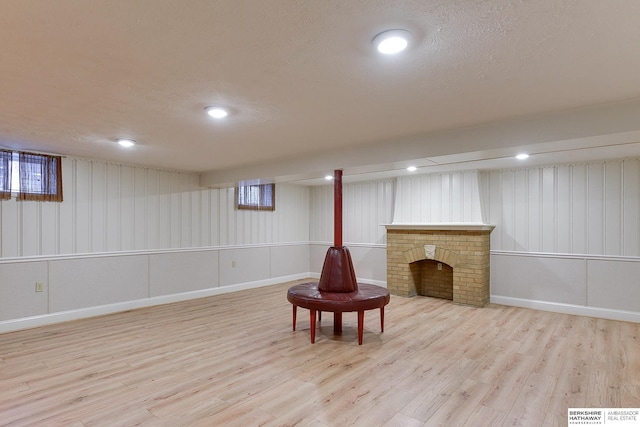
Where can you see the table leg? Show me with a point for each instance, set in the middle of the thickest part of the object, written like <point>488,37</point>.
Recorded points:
<point>312,323</point>
<point>295,312</point>
<point>337,322</point>
<point>360,326</point>
<point>381,319</point>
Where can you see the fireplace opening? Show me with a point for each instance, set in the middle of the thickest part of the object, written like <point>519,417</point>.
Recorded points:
<point>432,278</point>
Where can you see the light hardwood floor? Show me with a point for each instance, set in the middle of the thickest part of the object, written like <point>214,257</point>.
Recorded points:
<point>233,360</point>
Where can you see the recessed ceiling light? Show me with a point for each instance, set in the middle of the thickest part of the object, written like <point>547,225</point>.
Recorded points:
<point>412,168</point>
<point>328,177</point>
<point>217,112</point>
<point>125,142</point>
<point>392,41</point>
<point>522,156</point>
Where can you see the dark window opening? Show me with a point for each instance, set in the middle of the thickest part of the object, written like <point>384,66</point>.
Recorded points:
<point>260,197</point>
<point>30,176</point>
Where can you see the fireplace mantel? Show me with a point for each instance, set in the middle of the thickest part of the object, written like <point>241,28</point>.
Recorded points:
<point>460,226</point>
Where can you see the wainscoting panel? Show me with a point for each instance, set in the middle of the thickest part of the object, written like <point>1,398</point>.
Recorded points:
<point>287,260</point>
<point>92,281</point>
<point>185,271</point>
<point>244,265</point>
<point>18,296</point>
<point>597,286</point>
<point>614,284</point>
<point>560,280</point>
<point>78,286</point>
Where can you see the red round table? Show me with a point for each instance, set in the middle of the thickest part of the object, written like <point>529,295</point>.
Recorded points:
<point>367,297</point>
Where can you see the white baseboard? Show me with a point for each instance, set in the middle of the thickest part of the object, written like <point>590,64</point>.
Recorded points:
<point>83,313</point>
<point>580,310</point>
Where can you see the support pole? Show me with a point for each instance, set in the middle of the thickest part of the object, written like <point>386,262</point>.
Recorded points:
<point>337,208</point>
<point>337,274</point>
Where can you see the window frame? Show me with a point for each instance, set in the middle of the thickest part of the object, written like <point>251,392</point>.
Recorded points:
<point>39,174</point>
<point>256,205</point>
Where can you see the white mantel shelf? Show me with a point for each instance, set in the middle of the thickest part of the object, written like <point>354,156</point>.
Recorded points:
<point>464,226</point>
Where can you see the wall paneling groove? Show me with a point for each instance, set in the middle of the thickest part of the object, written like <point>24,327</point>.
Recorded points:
<point>440,197</point>
<point>366,206</point>
<point>591,208</point>
<point>112,208</point>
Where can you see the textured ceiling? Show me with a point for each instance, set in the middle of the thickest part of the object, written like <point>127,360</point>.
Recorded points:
<point>301,77</point>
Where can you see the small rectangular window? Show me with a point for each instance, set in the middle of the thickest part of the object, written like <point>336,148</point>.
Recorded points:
<point>259,197</point>
<point>31,176</point>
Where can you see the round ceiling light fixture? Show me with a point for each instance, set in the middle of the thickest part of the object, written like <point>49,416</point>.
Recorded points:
<point>217,112</point>
<point>392,41</point>
<point>328,177</point>
<point>522,156</point>
<point>126,142</point>
<point>412,168</point>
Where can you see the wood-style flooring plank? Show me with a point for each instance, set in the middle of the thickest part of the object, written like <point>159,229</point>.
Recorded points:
<point>234,360</point>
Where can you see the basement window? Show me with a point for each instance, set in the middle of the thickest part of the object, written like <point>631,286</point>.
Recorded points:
<point>257,197</point>
<point>30,176</point>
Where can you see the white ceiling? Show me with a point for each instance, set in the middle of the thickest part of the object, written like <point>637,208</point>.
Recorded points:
<point>482,80</point>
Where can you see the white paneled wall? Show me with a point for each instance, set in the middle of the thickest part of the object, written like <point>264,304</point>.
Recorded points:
<point>113,208</point>
<point>366,206</point>
<point>442,197</point>
<point>76,286</point>
<point>563,232</point>
<point>591,208</point>
<point>569,228</point>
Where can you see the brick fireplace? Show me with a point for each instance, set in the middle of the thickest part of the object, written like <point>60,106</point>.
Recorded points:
<point>443,260</point>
